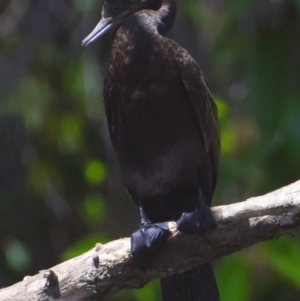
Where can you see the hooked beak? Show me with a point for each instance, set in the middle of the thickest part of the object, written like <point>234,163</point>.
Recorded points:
<point>102,27</point>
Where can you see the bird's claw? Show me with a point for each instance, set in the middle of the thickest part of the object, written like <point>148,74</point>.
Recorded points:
<point>146,241</point>
<point>196,221</point>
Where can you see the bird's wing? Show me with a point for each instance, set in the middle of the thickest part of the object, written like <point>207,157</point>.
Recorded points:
<point>204,107</point>
<point>110,102</point>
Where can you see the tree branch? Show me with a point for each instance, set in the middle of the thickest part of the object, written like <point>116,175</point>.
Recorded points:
<point>109,269</point>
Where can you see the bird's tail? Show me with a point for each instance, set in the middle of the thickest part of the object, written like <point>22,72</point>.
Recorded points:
<point>198,284</point>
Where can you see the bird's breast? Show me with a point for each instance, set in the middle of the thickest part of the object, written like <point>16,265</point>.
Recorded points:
<point>158,140</point>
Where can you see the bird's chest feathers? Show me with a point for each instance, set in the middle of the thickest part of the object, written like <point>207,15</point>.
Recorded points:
<point>143,72</point>
<point>139,56</point>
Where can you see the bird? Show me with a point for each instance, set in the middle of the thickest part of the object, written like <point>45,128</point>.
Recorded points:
<point>164,129</point>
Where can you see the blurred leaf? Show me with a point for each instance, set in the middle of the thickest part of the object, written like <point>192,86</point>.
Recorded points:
<point>223,109</point>
<point>192,10</point>
<point>48,53</point>
<point>71,138</point>
<point>233,277</point>
<point>228,133</point>
<point>17,255</point>
<point>94,208</point>
<point>228,140</point>
<point>30,102</point>
<point>284,257</point>
<point>239,8</point>
<point>85,5</point>
<point>73,80</point>
<point>229,41</point>
<point>95,172</point>
<point>268,77</point>
<point>149,292</point>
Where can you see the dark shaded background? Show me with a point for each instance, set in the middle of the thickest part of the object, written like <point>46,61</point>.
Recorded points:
<point>60,189</point>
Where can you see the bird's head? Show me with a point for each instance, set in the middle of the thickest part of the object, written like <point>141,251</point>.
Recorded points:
<point>114,12</point>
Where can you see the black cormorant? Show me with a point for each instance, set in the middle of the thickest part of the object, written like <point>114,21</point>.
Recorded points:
<point>163,125</point>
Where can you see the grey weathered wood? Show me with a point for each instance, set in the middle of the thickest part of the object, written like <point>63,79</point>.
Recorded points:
<point>109,269</point>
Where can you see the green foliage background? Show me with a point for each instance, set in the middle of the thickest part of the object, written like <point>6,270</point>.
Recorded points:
<point>60,188</point>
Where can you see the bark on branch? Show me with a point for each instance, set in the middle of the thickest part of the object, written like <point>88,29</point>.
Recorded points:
<point>109,269</point>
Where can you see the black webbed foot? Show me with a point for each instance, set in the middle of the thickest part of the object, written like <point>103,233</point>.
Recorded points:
<point>196,221</point>
<point>146,241</point>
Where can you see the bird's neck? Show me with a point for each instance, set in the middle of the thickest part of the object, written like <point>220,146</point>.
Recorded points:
<point>165,16</point>
<point>140,33</point>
